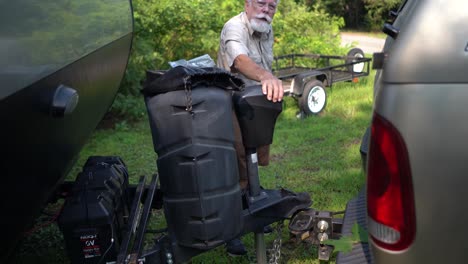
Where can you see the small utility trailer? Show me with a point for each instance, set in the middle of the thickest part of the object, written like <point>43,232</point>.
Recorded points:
<point>305,76</point>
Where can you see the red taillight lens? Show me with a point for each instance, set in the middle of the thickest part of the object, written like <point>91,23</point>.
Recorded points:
<point>390,200</point>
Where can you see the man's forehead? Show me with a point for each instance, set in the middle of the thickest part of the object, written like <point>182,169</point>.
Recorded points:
<point>267,1</point>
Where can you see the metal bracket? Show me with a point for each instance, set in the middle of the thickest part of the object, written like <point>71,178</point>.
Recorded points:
<point>324,252</point>
<point>138,220</point>
<point>315,227</point>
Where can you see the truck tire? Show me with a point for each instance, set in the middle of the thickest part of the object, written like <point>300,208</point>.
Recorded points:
<point>313,99</point>
<point>355,53</point>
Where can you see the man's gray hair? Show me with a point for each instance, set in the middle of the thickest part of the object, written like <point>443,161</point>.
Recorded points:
<point>250,1</point>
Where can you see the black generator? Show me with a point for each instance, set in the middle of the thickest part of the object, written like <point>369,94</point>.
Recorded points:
<point>95,211</point>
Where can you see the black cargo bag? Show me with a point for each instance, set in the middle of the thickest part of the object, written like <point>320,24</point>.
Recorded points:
<point>190,115</point>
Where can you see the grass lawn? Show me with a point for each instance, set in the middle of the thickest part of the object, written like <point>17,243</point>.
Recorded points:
<point>318,155</point>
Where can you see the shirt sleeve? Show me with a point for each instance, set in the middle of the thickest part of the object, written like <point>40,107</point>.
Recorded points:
<point>235,41</point>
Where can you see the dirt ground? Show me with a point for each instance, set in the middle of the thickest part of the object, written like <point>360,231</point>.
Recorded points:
<point>363,41</point>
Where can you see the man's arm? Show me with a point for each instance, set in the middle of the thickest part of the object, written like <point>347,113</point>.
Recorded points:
<point>272,87</point>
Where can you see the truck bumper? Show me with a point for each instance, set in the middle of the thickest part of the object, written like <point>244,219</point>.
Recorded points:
<point>355,213</point>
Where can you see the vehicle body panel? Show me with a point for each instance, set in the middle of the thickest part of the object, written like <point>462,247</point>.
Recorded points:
<point>425,117</point>
<point>39,38</point>
<point>423,91</point>
<point>83,45</point>
<point>421,88</point>
<point>427,49</point>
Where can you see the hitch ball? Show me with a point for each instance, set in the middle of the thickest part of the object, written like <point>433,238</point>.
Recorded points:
<point>322,237</point>
<point>322,225</point>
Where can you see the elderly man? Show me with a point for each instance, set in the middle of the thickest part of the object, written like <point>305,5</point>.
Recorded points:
<point>246,50</point>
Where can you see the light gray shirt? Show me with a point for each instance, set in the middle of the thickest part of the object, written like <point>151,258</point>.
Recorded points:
<point>237,37</point>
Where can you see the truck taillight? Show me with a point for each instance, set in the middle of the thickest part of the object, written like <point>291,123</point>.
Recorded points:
<point>390,200</point>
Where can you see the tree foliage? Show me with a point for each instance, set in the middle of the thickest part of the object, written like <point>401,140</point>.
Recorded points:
<point>299,30</point>
<point>377,11</point>
<point>357,14</point>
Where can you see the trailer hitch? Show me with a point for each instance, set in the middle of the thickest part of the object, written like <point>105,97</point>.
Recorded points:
<point>315,227</point>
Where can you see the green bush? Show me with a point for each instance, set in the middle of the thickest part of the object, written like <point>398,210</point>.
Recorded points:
<point>299,30</point>
<point>129,107</point>
<point>169,30</point>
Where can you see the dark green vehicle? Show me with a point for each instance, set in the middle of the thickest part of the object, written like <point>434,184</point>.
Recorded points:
<point>61,64</point>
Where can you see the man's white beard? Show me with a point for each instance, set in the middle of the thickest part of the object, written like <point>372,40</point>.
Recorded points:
<point>260,25</point>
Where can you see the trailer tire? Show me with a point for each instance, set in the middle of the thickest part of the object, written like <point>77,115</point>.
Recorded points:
<point>313,99</point>
<point>355,53</point>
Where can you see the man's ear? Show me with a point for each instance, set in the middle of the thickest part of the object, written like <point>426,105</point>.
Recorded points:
<point>247,9</point>
<point>246,3</point>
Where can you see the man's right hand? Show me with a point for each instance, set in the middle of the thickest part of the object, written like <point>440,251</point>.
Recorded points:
<point>272,87</point>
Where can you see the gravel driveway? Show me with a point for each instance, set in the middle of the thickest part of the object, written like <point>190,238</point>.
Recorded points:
<point>366,43</point>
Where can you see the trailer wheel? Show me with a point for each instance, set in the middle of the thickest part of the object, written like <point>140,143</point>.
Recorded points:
<point>314,98</point>
<point>356,53</point>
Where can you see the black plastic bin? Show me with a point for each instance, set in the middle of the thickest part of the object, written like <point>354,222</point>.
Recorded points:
<point>197,165</point>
